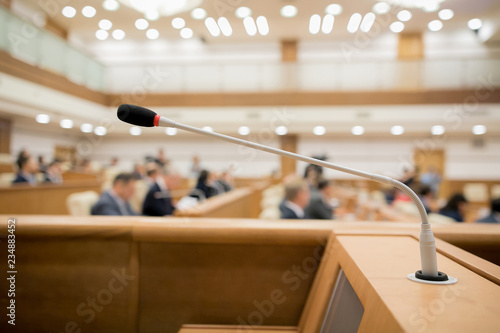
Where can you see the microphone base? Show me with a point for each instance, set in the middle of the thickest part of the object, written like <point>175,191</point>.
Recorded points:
<point>442,278</point>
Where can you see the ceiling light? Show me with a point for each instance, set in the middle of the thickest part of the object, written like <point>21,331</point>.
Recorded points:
<point>404,15</point>
<point>69,11</point>
<point>397,27</point>
<point>105,24</point>
<point>152,34</point>
<point>367,22</point>
<point>110,5</point>
<point>397,130</point>
<point>178,23</point>
<point>118,34</point>
<point>170,131</point>
<point>212,26</point>
<point>314,24</point>
<point>435,25</point>
<point>288,11</point>
<point>354,22</point>
<point>437,130</point>
<point>101,34</point>
<point>243,12</point>
<point>446,14</point>
<point>430,6</point>
<point>281,130</point>
<point>327,25</point>
<point>358,130</point>
<point>100,130</point>
<point>152,15</point>
<point>334,9</point>
<point>479,129</point>
<point>141,24</point>
<point>86,128</point>
<point>42,118</point>
<point>66,123</point>
<point>186,33</point>
<point>244,130</point>
<point>319,130</point>
<point>198,13</point>
<point>224,26</point>
<point>262,25</point>
<point>475,24</point>
<point>135,130</point>
<point>250,26</point>
<point>381,8</point>
<point>208,128</point>
<point>88,11</point>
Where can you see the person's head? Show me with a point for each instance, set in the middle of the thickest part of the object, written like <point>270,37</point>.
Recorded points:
<point>124,185</point>
<point>495,205</point>
<point>114,161</point>
<point>457,202</point>
<point>297,191</point>
<point>54,167</point>
<point>152,170</point>
<point>41,160</point>
<point>425,191</point>
<point>172,180</point>
<point>325,187</point>
<point>204,177</point>
<point>196,159</point>
<point>28,165</point>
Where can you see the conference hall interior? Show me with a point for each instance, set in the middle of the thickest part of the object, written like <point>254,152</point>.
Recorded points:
<point>223,166</point>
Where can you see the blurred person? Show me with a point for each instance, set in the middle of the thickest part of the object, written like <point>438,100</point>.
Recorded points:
<point>114,162</point>
<point>28,168</point>
<point>455,208</point>
<point>54,172</point>
<point>204,187</point>
<point>431,178</point>
<point>426,195</point>
<point>494,216</point>
<point>408,177</point>
<point>116,201</point>
<point>297,195</point>
<point>42,166</point>
<point>225,182</point>
<point>23,154</point>
<point>152,171</point>
<point>158,201</point>
<point>195,167</point>
<point>139,171</point>
<point>319,207</point>
<point>162,159</point>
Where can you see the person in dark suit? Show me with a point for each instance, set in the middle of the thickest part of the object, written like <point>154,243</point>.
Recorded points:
<point>204,188</point>
<point>319,207</point>
<point>297,196</point>
<point>494,216</point>
<point>116,200</point>
<point>158,201</point>
<point>455,208</point>
<point>28,168</point>
<point>53,173</point>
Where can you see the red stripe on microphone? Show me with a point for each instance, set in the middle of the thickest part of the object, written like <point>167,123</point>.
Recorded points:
<point>156,121</point>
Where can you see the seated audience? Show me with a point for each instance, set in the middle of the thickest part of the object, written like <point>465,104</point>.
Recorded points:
<point>204,187</point>
<point>116,200</point>
<point>455,208</point>
<point>196,167</point>
<point>224,182</point>
<point>28,169</point>
<point>432,179</point>
<point>426,195</point>
<point>42,166</point>
<point>494,216</point>
<point>158,201</point>
<point>53,173</point>
<point>151,172</point>
<point>297,196</point>
<point>319,207</point>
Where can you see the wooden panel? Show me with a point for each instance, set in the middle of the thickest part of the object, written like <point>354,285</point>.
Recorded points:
<point>423,159</point>
<point>56,29</point>
<point>288,165</point>
<point>410,46</point>
<point>75,176</point>
<point>288,50</point>
<point>5,133</point>
<point>235,329</point>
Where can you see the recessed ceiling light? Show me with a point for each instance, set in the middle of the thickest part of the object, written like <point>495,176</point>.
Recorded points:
<point>152,15</point>
<point>281,130</point>
<point>100,130</point>
<point>262,25</point>
<point>243,12</point>
<point>86,128</point>
<point>186,33</point>
<point>105,24</point>
<point>118,34</point>
<point>66,123</point>
<point>475,24</point>
<point>397,27</point>
<point>88,11</point>
<point>367,22</point>
<point>404,15</point>
<point>397,130</point>
<point>110,5</point>
<point>141,24</point>
<point>42,118</point>
<point>446,14</point>
<point>69,12</point>
<point>327,25</point>
<point>479,130</point>
<point>381,8</point>
<point>101,34</point>
<point>319,130</point>
<point>334,9</point>
<point>430,6</point>
<point>152,34</point>
<point>224,26</point>
<point>354,22</point>
<point>288,11</point>
<point>178,23</point>
<point>198,13</point>
<point>135,130</point>
<point>437,130</point>
<point>250,26</point>
<point>212,26</point>
<point>208,128</point>
<point>314,24</point>
<point>358,130</point>
<point>244,130</point>
<point>435,25</point>
<point>170,131</point>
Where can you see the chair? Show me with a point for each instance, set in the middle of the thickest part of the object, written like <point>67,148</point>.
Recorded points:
<point>141,190</point>
<point>476,192</point>
<point>80,203</point>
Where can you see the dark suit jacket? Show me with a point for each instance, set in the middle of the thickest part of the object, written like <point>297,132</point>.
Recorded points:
<point>157,203</point>
<point>20,179</point>
<point>489,219</point>
<point>318,209</point>
<point>453,214</point>
<point>287,213</point>
<point>107,205</point>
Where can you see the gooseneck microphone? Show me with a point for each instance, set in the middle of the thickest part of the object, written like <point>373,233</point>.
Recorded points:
<point>140,116</point>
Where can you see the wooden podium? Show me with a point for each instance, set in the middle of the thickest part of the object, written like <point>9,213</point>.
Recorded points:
<point>134,274</point>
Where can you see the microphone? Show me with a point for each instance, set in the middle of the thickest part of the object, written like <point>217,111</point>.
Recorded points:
<point>140,116</point>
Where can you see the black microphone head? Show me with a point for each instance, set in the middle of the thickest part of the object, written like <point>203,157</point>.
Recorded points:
<point>136,115</point>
